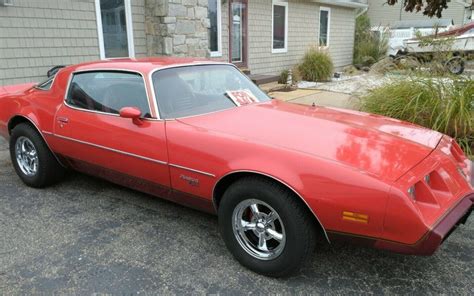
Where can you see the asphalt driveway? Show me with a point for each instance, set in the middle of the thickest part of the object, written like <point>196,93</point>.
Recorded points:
<point>87,236</point>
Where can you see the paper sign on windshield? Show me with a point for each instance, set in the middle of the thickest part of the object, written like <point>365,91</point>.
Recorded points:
<point>242,97</point>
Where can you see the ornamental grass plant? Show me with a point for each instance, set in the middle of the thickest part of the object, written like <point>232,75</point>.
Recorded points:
<point>316,65</point>
<point>442,104</point>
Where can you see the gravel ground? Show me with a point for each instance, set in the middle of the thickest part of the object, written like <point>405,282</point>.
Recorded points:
<point>88,236</point>
<point>356,85</point>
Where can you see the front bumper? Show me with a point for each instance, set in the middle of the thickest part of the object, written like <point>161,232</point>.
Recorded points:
<point>431,241</point>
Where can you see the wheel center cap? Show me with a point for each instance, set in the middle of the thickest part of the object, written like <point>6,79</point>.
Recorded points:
<point>260,226</point>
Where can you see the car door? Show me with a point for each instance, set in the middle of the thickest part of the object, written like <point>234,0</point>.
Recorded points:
<point>92,136</point>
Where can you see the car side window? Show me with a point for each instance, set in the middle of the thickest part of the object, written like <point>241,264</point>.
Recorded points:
<point>108,92</point>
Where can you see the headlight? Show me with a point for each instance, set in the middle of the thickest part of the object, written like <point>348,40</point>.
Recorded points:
<point>428,179</point>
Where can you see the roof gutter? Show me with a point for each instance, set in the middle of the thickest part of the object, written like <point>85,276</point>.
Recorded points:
<point>342,3</point>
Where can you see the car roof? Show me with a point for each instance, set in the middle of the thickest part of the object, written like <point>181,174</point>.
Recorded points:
<point>143,65</point>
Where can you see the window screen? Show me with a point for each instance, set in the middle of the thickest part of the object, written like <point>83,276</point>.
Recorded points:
<point>213,7</point>
<point>114,27</point>
<point>108,92</point>
<point>279,26</point>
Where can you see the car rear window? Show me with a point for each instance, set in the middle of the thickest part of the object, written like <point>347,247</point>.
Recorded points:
<point>108,92</point>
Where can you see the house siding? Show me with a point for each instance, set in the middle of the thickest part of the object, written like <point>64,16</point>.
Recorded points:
<point>382,14</point>
<point>138,19</point>
<point>303,31</point>
<point>341,37</point>
<point>38,35</point>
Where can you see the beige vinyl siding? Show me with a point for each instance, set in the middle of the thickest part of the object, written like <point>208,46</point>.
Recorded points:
<point>303,32</point>
<point>382,14</point>
<point>37,35</point>
<point>303,25</point>
<point>341,36</point>
<point>139,36</point>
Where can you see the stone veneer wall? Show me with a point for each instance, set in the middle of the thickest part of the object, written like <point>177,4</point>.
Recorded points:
<point>177,27</point>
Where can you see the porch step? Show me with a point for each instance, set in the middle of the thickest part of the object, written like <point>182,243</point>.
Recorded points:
<point>246,71</point>
<point>263,79</point>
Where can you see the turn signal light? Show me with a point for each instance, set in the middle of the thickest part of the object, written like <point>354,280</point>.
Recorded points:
<point>356,217</point>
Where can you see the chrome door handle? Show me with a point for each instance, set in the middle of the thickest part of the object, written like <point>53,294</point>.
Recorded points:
<point>63,120</point>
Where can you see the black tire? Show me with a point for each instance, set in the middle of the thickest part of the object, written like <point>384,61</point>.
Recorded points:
<point>298,224</point>
<point>49,170</point>
<point>456,65</point>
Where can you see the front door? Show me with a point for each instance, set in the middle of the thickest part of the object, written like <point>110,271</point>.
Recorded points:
<point>238,38</point>
<point>96,140</point>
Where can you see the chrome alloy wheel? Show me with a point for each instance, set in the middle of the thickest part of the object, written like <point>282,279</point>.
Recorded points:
<point>259,229</point>
<point>26,156</point>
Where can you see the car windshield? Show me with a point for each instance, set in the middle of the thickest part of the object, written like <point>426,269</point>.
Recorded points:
<point>194,90</point>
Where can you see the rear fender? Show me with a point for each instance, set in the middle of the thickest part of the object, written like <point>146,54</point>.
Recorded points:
<point>32,119</point>
<point>15,89</point>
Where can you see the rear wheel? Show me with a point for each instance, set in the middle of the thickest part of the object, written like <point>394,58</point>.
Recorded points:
<point>266,227</point>
<point>455,65</point>
<point>34,163</point>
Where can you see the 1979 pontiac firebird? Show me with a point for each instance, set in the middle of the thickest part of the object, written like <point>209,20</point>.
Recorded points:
<point>278,175</point>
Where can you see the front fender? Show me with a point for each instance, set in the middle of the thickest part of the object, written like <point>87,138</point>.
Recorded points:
<point>330,189</point>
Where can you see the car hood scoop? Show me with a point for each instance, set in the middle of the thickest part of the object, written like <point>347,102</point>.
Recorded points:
<point>378,145</point>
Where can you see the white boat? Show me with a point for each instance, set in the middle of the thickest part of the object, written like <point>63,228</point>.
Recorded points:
<point>457,40</point>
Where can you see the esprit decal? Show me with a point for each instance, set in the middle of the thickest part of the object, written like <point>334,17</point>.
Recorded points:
<point>190,180</point>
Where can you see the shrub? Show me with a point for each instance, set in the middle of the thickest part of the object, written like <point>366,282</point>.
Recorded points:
<point>369,46</point>
<point>283,77</point>
<point>444,105</point>
<point>316,66</point>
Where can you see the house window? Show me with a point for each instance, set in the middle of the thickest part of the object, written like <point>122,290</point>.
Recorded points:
<point>324,26</point>
<point>214,12</point>
<point>280,26</point>
<point>114,23</point>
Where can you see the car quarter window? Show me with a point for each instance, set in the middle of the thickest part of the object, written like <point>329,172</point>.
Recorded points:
<point>193,90</point>
<point>108,92</point>
<point>45,85</point>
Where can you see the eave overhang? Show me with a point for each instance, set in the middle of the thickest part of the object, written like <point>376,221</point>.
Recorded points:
<point>342,3</point>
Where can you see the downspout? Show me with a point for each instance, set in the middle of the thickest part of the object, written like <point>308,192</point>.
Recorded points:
<point>362,11</point>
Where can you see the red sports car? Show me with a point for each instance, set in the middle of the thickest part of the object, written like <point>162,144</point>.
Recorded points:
<point>278,175</point>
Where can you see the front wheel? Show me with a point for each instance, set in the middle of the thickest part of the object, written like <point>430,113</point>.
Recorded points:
<point>266,227</point>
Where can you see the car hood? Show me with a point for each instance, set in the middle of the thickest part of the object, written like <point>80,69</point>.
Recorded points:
<point>384,147</point>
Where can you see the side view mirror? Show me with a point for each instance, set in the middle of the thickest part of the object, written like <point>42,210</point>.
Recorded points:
<point>132,113</point>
